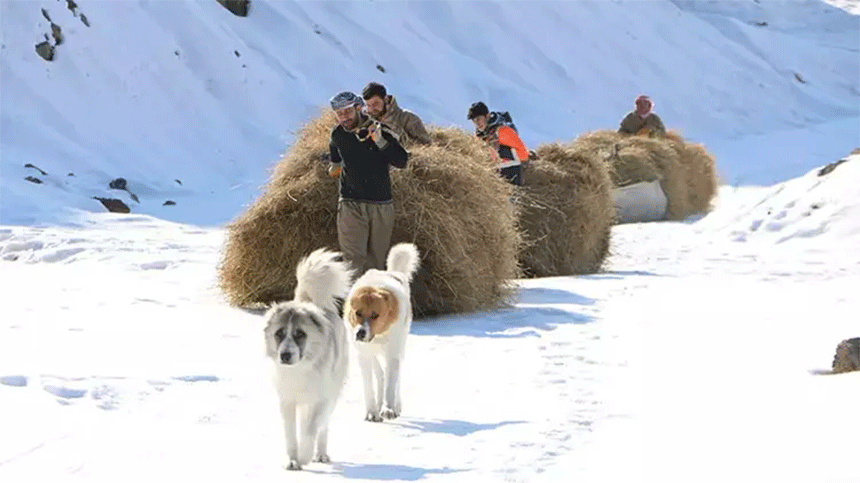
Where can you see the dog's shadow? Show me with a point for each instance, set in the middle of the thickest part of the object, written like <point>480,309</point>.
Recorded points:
<point>541,309</point>
<point>452,426</point>
<point>383,472</point>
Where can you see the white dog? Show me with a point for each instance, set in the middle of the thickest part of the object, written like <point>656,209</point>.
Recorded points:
<point>308,343</point>
<point>379,310</point>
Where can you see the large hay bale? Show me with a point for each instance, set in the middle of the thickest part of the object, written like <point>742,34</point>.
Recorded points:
<point>636,159</point>
<point>447,202</point>
<point>458,212</point>
<point>699,171</point>
<point>566,212</point>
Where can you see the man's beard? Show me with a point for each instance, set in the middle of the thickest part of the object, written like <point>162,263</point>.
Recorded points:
<point>360,120</point>
<point>352,123</point>
<point>381,113</point>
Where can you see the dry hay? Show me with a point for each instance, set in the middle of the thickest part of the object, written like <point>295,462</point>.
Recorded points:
<point>447,202</point>
<point>635,159</point>
<point>700,172</point>
<point>566,212</point>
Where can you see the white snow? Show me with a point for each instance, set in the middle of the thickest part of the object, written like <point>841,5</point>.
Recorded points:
<point>697,355</point>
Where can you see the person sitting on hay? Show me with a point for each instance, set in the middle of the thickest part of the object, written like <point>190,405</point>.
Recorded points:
<point>383,107</point>
<point>641,121</point>
<point>361,149</point>
<point>497,129</point>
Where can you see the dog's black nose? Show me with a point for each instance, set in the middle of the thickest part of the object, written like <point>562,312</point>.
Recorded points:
<point>361,333</point>
<point>286,357</point>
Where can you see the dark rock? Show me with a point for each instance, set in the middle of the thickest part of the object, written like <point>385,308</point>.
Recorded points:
<point>176,52</point>
<point>380,68</point>
<point>70,174</point>
<point>134,197</point>
<point>72,6</point>
<point>114,205</point>
<point>169,203</point>
<point>118,184</point>
<point>45,50</point>
<point>237,53</point>
<point>830,167</point>
<point>57,33</point>
<point>760,24</point>
<point>180,182</point>
<point>28,165</point>
<point>847,358</point>
<point>237,7</point>
<point>799,79</point>
<point>84,20</point>
<point>45,14</point>
<point>33,179</point>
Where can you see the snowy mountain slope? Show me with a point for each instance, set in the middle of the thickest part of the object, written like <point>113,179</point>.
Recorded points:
<point>815,207</point>
<point>162,91</point>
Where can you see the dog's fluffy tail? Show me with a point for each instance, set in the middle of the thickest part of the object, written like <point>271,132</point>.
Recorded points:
<point>403,258</point>
<point>322,276</point>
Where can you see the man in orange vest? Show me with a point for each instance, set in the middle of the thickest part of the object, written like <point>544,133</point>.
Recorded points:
<point>498,130</point>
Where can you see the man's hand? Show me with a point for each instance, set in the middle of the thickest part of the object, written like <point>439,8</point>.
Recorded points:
<point>334,170</point>
<point>375,130</point>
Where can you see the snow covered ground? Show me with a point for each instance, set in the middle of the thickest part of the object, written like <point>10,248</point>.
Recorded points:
<point>696,356</point>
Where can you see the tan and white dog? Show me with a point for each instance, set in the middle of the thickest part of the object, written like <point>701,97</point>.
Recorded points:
<point>379,310</point>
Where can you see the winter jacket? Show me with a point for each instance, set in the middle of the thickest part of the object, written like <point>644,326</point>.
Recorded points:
<point>404,123</point>
<point>365,174</point>
<point>510,148</point>
<point>633,124</point>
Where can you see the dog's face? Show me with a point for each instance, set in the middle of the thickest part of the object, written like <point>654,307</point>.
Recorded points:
<point>294,333</point>
<point>372,311</point>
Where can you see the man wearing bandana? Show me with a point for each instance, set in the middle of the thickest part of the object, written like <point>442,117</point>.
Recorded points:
<point>361,151</point>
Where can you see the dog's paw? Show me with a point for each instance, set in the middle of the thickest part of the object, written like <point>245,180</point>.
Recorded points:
<point>294,465</point>
<point>373,417</point>
<point>323,458</point>
<point>390,413</point>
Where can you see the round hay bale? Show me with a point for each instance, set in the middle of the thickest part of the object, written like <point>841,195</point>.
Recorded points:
<point>566,213</point>
<point>700,172</point>
<point>295,214</point>
<point>458,212</point>
<point>635,159</point>
<point>447,202</point>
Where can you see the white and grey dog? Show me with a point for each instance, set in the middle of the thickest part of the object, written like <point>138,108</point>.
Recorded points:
<point>308,343</point>
<point>379,310</point>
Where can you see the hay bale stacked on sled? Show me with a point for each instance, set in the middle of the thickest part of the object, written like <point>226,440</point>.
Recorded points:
<point>635,162</point>
<point>566,212</point>
<point>700,172</point>
<point>454,208</point>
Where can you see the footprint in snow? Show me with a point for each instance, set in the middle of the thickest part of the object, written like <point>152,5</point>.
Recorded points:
<point>65,392</point>
<point>13,381</point>
<point>159,265</point>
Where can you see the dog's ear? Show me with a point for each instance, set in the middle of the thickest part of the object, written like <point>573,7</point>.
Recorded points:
<point>391,303</point>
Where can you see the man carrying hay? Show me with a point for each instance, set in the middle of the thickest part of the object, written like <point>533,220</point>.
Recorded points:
<point>403,122</point>
<point>361,149</point>
<point>641,121</point>
<point>497,130</point>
